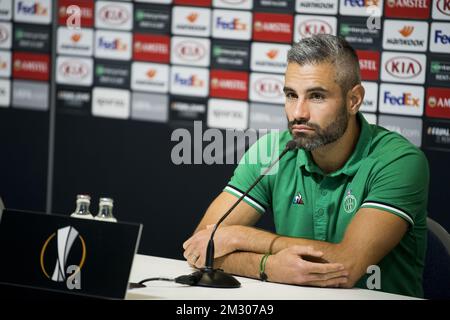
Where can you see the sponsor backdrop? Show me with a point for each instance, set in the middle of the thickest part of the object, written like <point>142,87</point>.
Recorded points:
<point>137,70</point>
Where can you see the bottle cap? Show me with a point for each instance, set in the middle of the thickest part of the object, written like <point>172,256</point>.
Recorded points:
<point>84,197</point>
<point>106,201</point>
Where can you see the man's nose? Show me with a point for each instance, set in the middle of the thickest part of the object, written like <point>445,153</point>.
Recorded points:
<point>301,110</point>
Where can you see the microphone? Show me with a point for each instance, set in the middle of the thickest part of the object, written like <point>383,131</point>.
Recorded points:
<point>217,278</point>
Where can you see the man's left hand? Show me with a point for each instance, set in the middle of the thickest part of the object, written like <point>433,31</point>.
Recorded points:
<point>195,246</point>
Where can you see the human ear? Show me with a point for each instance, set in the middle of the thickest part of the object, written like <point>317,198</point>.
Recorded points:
<point>355,98</point>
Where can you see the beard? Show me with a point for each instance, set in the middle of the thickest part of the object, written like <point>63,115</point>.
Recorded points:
<point>320,136</point>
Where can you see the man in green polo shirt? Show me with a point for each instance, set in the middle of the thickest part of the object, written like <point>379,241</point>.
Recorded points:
<point>349,202</point>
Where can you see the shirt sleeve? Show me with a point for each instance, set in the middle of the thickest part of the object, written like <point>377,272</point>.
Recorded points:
<point>401,187</point>
<point>250,167</point>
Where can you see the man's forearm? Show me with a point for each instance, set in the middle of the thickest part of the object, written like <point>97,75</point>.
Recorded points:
<point>260,241</point>
<point>250,239</point>
<point>244,264</point>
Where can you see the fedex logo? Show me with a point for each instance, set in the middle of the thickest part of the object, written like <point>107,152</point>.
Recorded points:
<point>439,36</point>
<point>234,24</point>
<point>362,8</point>
<point>115,44</point>
<point>401,99</point>
<point>361,3</point>
<point>406,100</point>
<point>34,9</point>
<point>191,81</point>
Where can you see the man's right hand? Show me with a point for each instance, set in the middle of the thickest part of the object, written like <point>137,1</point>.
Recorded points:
<point>291,266</point>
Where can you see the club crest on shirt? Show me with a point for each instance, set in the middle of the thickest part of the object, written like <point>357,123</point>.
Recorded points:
<point>349,203</point>
<point>298,199</point>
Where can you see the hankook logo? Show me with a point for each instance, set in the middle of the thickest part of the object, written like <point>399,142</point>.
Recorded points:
<point>64,239</point>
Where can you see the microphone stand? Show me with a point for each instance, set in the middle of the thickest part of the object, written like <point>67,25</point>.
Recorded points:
<point>217,278</point>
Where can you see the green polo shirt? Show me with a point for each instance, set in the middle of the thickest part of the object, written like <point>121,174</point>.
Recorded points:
<point>385,172</point>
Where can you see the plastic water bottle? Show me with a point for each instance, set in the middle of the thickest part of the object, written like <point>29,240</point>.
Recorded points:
<point>82,209</point>
<point>105,209</point>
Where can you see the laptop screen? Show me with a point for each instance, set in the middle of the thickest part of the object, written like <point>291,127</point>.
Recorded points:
<point>61,253</point>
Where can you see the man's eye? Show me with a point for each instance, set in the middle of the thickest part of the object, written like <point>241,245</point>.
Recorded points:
<point>317,96</point>
<point>291,95</point>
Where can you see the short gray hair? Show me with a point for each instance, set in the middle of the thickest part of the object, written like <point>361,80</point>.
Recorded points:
<point>326,48</point>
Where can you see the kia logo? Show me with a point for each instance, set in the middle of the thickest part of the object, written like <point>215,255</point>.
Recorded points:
<point>114,15</point>
<point>403,67</point>
<point>190,50</point>
<point>4,34</point>
<point>269,88</point>
<point>314,26</point>
<point>444,7</point>
<point>73,69</point>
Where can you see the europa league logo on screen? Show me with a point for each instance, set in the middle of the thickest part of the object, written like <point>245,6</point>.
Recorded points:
<point>62,257</point>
